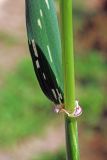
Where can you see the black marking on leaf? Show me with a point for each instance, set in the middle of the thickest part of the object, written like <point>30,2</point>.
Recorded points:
<point>50,82</point>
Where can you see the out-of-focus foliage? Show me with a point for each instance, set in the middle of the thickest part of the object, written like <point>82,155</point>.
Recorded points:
<point>90,75</point>
<point>22,105</point>
<point>8,39</point>
<point>59,155</point>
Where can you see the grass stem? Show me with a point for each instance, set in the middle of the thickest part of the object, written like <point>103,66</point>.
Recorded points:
<point>69,80</point>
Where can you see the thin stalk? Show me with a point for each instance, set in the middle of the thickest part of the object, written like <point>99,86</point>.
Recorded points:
<point>69,80</point>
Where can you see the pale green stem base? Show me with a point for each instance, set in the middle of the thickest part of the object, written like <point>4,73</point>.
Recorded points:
<point>71,139</point>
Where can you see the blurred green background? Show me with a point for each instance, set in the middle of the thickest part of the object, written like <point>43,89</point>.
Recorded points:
<point>29,129</point>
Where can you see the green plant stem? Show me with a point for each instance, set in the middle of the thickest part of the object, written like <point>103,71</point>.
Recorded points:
<point>69,80</point>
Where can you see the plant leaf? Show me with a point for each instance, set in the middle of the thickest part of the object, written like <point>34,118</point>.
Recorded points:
<point>45,47</point>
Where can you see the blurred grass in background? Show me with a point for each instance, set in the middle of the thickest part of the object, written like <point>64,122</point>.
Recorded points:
<point>23,107</point>
<point>59,155</point>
